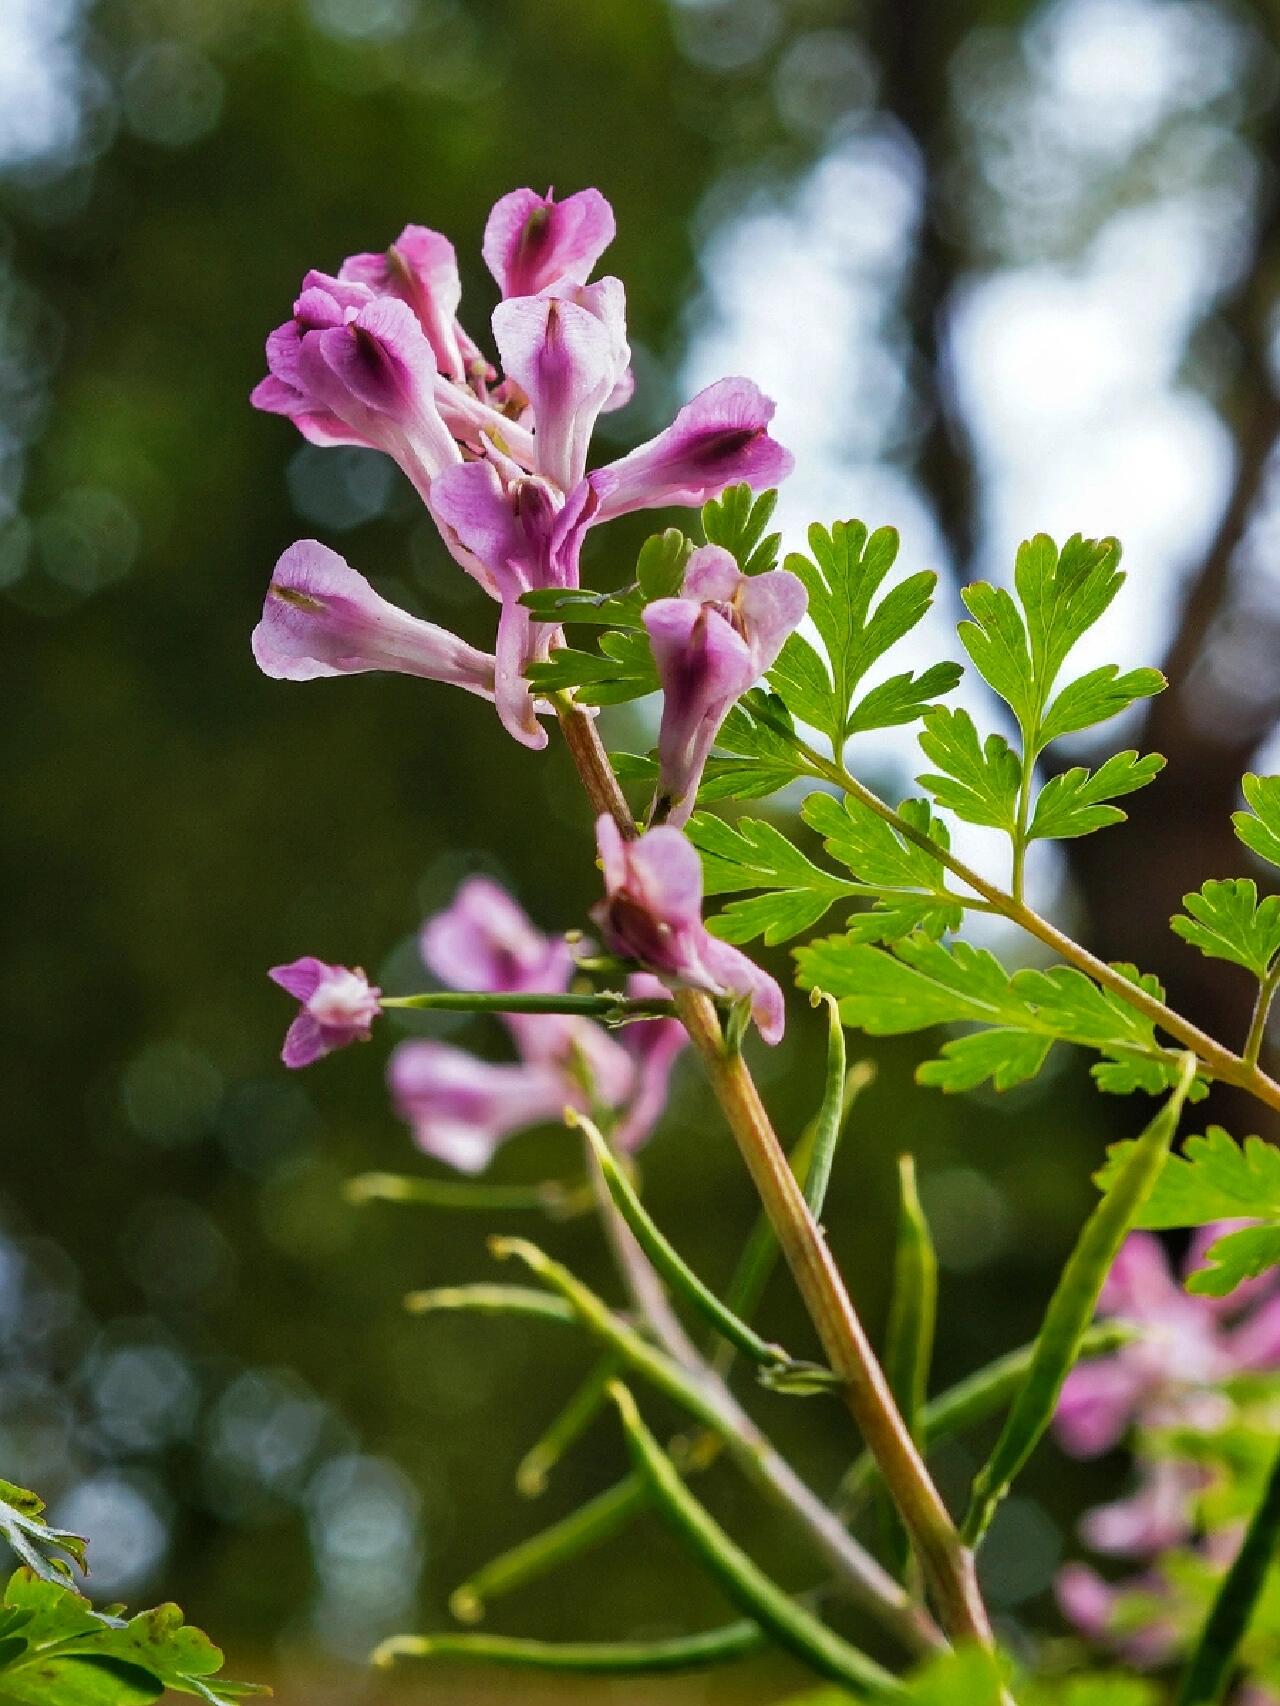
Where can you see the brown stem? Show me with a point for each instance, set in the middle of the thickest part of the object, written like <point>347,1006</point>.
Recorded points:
<point>947,1562</point>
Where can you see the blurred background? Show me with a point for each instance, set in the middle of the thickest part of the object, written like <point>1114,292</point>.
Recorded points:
<point>1006,267</point>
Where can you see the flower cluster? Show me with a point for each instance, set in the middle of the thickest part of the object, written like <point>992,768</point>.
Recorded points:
<point>1170,1377</point>
<point>376,356</point>
<point>461,1108</point>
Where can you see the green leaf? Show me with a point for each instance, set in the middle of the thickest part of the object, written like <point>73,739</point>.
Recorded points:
<point>753,854</point>
<point>1072,803</point>
<point>1214,1660</point>
<point>661,564</point>
<point>1259,828</point>
<point>23,1525</point>
<point>842,578</point>
<point>1096,697</point>
<point>667,1260</point>
<point>1063,594</point>
<point>1099,1690</point>
<point>872,849</point>
<point>903,698</point>
<point>1215,1179</point>
<point>737,523</point>
<point>565,605</point>
<point>1228,922</point>
<point>623,669</point>
<point>980,781</point>
<point>922,983</point>
<point>67,1654</point>
<point>585,1528</point>
<point>996,640</point>
<point>968,1674</point>
<point>1072,1306</point>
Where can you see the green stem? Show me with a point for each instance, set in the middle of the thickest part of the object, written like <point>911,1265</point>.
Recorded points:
<point>705,1400</point>
<point>568,1426</point>
<point>1214,1659</point>
<point>550,1198</point>
<point>593,1658</point>
<point>1017,881</point>
<point>588,1526</point>
<point>1261,1012</point>
<point>783,1617</point>
<point>973,1400</point>
<point>1229,1068</point>
<point>667,1259</point>
<point>491,1300</point>
<point>607,1005</point>
<point>1071,1309</point>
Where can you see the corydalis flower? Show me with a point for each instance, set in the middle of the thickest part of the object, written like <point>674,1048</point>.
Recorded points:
<point>322,618</point>
<point>533,241</point>
<point>652,913</point>
<point>711,644</point>
<point>1188,1343</point>
<point>338,1007</point>
<point>462,1109</point>
<point>718,438</point>
<point>377,356</point>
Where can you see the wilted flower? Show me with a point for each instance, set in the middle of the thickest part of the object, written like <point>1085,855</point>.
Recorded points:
<point>652,913</point>
<point>710,645</point>
<point>322,618</point>
<point>338,1007</point>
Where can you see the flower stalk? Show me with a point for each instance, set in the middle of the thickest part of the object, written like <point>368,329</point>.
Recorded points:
<point>947,1562</point>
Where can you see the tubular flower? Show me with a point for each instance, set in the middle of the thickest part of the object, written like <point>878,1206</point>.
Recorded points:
<point>421,269</point>
<point>462,1109</point>
<point>338,1007</point>
<point>377,357</point>
<point>1188,1343</point>
<point>355,368</point>
<point>721,436</point>
<point>322,618</point>
<point>652,913</point>
<point>711,644</point>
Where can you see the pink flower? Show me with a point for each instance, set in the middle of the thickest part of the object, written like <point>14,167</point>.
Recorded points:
<point>1092,1604</point>
<point>356,368</point>
<point>421,269</point>
<point>532,241</point>
<point>377,356</point>
<point>322,618</point>
<point>719,438</point>
<point>1188,1344</point>
<point>521,533</point>
<point>711,644</point>
<point>460,1108</point>
<point>567,350</point>
<point>652,913</point>
<point>654,1046</point>
<point>338,1007</point>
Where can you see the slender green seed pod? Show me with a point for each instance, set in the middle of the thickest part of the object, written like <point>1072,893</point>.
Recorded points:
<point>790,1623</point>
<point>1071,1309</point>
<point>593,1658</point>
